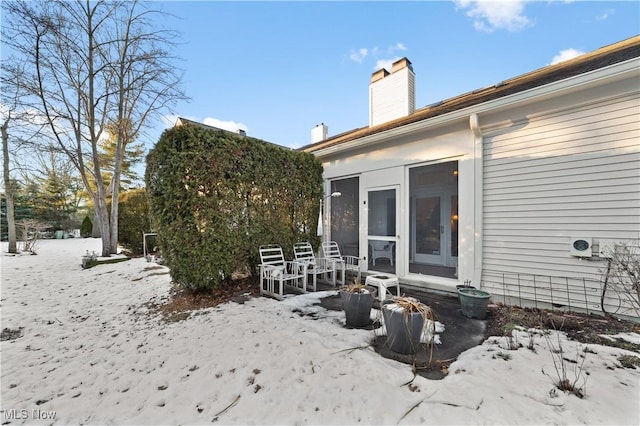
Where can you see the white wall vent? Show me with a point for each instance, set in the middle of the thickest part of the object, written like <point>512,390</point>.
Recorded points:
<point>581,246</point>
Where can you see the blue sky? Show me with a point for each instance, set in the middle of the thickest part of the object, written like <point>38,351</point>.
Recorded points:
<point>277,69</point>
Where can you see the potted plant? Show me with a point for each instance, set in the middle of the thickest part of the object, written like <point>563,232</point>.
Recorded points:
<point>357,302</point>
<point>467,284</point>
<point>407,320</point>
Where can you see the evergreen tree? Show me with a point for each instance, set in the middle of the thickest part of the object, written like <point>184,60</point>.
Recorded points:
<point>133,155</point>
<point>58,189</point>
<point>24,209</point>
<point>86,227</point>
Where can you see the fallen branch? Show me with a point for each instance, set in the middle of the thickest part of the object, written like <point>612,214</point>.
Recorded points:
<point>410,381</point>
<point>415,406</point>
<point>235,401</point>
<point>352,349</point>
<point>445,361</point>
<point>451,404</point>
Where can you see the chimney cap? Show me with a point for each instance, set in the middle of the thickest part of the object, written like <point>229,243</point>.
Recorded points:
<point>400,64</point>
<point>379,75</point>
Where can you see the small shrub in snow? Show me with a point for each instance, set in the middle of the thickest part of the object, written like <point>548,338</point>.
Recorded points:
<point>570,376</point>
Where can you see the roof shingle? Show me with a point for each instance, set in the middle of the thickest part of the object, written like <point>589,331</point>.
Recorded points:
<point>600,58</point>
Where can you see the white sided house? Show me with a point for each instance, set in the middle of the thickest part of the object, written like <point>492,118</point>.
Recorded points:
<point>517,188</point>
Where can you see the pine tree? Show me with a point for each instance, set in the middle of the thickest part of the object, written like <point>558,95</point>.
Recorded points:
<point>86,227</point>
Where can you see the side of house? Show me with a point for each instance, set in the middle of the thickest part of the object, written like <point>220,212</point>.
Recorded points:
<point>495,186</point>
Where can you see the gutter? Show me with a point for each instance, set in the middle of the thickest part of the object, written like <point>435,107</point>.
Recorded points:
<point>562,87</point>
<point>474,124</point>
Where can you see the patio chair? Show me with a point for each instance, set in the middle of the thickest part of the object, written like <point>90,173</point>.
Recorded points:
<point>276,273</point>
<point>381,250</point>
<point>324,267</point>
<point>343,264</point>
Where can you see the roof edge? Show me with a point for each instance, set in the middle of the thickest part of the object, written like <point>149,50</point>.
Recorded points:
<point>600,58</point>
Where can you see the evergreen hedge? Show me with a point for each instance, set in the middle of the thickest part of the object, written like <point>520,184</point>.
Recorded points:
<point>133,220</point>
<point>216,196</point>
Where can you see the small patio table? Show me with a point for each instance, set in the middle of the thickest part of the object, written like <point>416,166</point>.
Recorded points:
<point>383,282</point>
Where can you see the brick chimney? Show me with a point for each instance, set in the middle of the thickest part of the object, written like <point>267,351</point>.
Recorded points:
<point>392,95</point>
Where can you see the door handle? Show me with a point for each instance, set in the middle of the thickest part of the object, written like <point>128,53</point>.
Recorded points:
<point>442,229</point>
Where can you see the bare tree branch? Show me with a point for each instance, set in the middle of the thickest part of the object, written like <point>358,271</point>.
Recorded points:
<point>89,65</point>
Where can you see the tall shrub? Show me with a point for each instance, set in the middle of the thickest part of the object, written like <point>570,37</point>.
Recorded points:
<point>133,220</point>
<point>86,227</point>
<point>216,196</point>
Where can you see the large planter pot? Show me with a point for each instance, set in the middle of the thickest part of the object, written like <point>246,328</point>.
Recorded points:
<point>474,302</point>
<point>357,308</point>
<point>459,286</point>
<point>404,329</point>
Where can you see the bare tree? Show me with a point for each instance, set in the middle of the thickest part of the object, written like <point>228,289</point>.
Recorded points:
<point>12,115</point>
<point>31,230</point>
<point>622,277</point>
<point>8,186</point>
<point>91,65</point>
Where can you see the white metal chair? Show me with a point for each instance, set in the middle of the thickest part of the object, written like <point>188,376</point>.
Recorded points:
<point>382,250</point>
<point>343,264</point>
<point>303,252</point>
<point>276,272</point>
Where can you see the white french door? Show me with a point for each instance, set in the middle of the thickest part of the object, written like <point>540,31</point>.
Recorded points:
<point>429,242</point>
<point>434,221</point>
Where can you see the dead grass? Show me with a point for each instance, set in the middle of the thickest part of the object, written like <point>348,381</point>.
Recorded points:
<point>10,334</point>
<point>580,327</point>
<point>629,361</point>
<point>355,287</point>
<point>181,304</point>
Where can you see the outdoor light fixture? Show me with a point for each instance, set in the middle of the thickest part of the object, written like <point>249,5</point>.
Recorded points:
<point>333,194</point>
<point>320,215</point>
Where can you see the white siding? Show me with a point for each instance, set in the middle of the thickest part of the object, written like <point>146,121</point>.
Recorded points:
<point>549,177</point>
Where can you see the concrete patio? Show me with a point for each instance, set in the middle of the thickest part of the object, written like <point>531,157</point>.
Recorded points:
<point>460,333</point>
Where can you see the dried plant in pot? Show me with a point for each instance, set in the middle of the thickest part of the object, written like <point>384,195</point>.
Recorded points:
<point>357,302</point>
<point>407,320</point>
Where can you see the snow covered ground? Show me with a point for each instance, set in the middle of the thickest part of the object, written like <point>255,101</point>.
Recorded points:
<point>91,353</point>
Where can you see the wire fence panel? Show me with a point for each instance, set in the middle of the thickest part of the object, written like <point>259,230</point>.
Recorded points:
<point>615,290</point>
<point>553,292</point>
